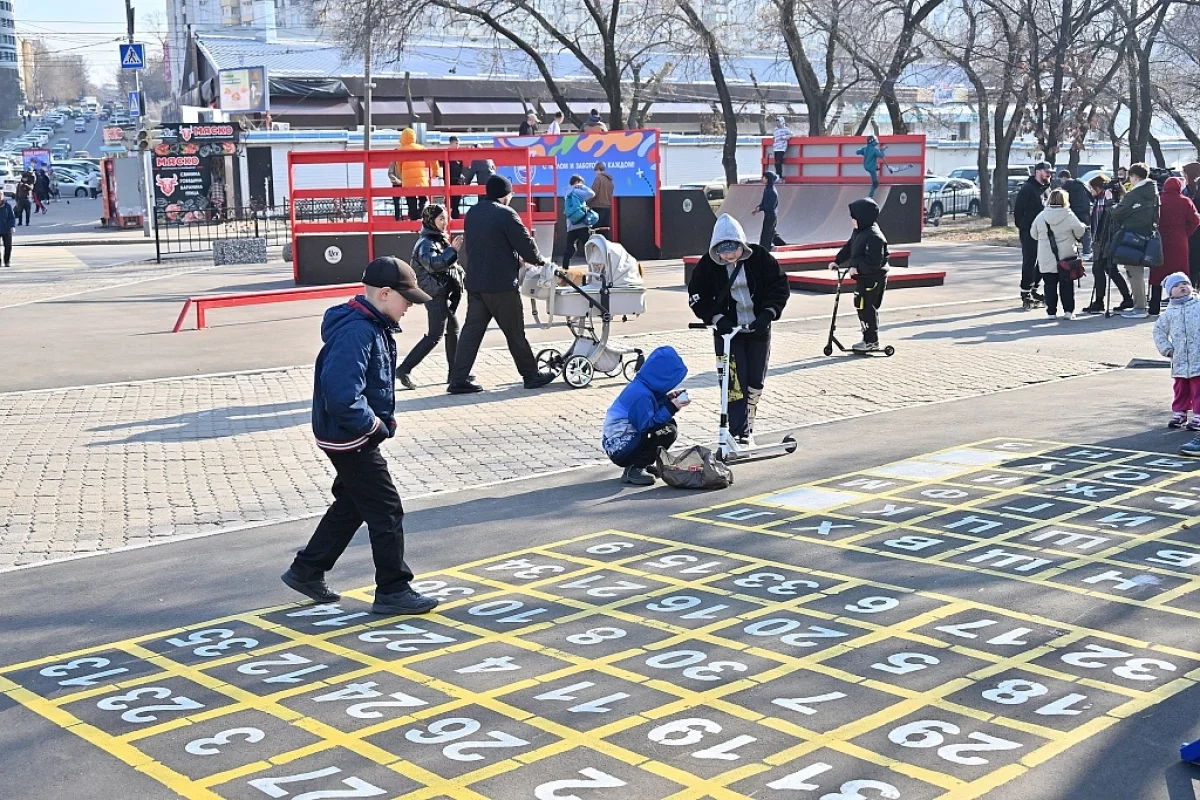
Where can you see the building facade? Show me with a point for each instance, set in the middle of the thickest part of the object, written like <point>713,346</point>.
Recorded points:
<point>8,36</point>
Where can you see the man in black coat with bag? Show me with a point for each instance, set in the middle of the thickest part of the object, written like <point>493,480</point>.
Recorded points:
<point>1031,200</point>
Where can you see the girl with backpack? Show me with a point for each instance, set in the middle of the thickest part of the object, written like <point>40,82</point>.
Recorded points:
<point>580,218</point>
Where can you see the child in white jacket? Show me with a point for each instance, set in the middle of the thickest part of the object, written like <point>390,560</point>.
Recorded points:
<point>1177,336</point>
<point>1057,220</point>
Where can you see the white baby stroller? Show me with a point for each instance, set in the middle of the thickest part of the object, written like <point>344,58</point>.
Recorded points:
<point>612,287</point>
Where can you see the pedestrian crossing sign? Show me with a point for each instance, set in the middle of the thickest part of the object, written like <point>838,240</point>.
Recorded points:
<point>135,104</point>
<point>133,56</point>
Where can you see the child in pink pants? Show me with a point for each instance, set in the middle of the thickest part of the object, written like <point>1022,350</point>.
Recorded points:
<point>1177,336</point>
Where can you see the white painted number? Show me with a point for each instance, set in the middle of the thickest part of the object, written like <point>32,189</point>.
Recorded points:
<point>780,627</point>
<point>208,746</point>
<point>61,670</point>
<point>872,605</point>
<point>367,691</point>
<point>423,637</point>
<point>596,636</point>
<point>595,780</point>
<point>524,568</point>
<point>567,694</point>
<point>684,732</point>
<point>1009,638</point>
<point>758,580</point>
<point>679,559</point>
<point>1017,692</point>
<point>1134,669</point>
<point>121,702</point>
<point>799,704</point>
<point>454,728</point>
<point>850,790</point>
<point>223,637</point>
<point>684,659</point>
<point>497,607</point>
<point>608,548</point>
<point>682,602</point>
<point>358,787</point>
<point>904,663</point>
<point>284,660</point>
<point>926,733</point>
<point>431,588</point>
<point>612,590</point>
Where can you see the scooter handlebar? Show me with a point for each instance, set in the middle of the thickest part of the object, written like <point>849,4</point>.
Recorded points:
<point>702,326</point>
<point>697,325</point>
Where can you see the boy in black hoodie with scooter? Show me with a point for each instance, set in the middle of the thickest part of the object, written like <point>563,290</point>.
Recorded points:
<point>866,254</point>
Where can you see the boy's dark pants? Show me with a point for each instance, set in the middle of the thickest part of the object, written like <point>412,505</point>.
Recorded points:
<point>766,239</point>
<point>646,452</point>
<point>779,156</point>
<point>1058,286</point>
<point>1030,277</point>
<point>868,298</point>
<point>363,492</point>
<point>749,353</point>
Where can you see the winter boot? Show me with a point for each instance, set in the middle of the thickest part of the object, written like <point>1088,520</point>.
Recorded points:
<point>636,476</point>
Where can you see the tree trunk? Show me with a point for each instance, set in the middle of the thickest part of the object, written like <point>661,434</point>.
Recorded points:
<point>806,76</point>
<point>728,115</point>
<point>983,155</point>
<point>1000,184</point>
<point>1156,146</point>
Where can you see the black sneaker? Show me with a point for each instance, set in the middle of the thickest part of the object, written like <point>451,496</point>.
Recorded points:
<point>314,589</point>
<point>464,387</point>
<point>1126,305</point>
<point>1094,308</point>
<point>408,601</point>
<point>405,381</point>
<point>539,380</point>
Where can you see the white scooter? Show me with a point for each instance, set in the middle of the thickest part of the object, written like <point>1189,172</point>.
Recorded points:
<point>729,449</point>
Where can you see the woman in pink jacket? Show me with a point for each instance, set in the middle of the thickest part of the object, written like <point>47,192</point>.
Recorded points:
<point>1177,221</point>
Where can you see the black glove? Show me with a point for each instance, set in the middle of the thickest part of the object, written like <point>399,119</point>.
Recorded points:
<point>726,324</point>
<point>381,434</point>
<point>762,322</point>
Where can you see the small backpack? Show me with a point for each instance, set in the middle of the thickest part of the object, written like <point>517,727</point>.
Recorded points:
<point>578,212</point>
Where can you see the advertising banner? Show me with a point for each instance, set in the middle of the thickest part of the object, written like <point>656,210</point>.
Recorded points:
<point>630,158</point>
<point>244,90</point>
<point>34,159</point>
<point>181,166</point>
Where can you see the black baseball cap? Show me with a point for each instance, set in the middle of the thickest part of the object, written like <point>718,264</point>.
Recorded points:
<point>391,272</point>
<point>1043,165</point>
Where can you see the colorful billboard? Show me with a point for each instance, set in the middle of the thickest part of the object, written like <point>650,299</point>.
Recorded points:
<point>244,90</point>
<point>630,158</point>
<point>34,159</point>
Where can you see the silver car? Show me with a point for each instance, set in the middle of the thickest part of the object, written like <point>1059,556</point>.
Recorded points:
<point>950,196</point>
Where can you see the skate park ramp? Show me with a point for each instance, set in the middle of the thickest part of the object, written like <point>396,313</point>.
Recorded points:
<point>819,212</point>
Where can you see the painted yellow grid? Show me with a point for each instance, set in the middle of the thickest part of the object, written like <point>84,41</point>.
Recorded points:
<point>125,746</point>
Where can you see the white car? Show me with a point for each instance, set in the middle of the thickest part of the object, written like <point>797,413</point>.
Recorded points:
<point>8,179</point>
<point>949,196</point>
<point>80,125</point>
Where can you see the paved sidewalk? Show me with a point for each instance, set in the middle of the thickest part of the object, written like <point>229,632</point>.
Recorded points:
<point>88,469</point>
<point>52,272</point>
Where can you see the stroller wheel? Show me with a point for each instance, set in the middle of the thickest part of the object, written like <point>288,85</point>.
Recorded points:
<point>550,360</point>
<point>578,372</point>
<point>631,368</point>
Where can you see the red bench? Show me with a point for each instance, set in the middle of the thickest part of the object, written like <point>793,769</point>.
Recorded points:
<point>900,278</point>
<point>802,260</point>
<point>206,302</point>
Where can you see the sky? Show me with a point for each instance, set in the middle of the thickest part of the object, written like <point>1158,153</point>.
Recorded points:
<point>89,28</point>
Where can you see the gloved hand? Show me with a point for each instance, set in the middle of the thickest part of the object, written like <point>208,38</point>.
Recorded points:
<point>381,434</point>
<point>762,321</point>
<point>726,324</point>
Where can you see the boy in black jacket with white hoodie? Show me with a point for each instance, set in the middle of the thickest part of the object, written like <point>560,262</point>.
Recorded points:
<point>738,283</point>
<point>866,253</point>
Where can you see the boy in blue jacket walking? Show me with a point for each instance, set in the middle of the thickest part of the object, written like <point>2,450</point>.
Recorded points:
<point>642,418</point>
<point>354,406</point>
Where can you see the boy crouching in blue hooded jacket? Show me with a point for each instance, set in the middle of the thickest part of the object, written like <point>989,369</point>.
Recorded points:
<point>642,418</point>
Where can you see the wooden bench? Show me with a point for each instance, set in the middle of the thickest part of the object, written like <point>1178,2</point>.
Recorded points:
<point>898,278</point>
<point>802,260</point>
<point>206,302</point>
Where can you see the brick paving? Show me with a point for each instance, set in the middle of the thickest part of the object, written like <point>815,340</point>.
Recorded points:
<point>88,469</point>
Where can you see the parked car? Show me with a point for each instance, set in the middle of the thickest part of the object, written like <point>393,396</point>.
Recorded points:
<point>1014,186</point>
<point>949,196</point>
<point>8,179</point>
<point>71,183</point>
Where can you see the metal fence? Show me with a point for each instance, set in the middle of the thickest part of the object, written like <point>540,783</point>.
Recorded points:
<point>952,203</point>
<point>176,232</point>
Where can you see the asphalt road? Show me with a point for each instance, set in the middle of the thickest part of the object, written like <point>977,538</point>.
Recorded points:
<point>647,667</point>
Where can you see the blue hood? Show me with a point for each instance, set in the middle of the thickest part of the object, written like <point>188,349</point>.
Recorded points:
<point>663,371</point>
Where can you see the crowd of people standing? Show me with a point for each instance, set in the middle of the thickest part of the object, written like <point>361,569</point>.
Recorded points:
<point>1134,231</point>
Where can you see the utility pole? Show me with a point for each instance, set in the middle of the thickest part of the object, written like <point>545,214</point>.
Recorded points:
<point>147,204</point>
<point>366,80</point>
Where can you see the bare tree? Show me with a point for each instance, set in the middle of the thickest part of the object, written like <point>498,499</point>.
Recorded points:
<point>819,28</point>
<point>712,50</point>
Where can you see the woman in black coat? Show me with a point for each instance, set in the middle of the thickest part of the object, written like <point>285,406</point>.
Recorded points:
<point>1106,194</point>
<point>739,284</point>
<point>435,260</point>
